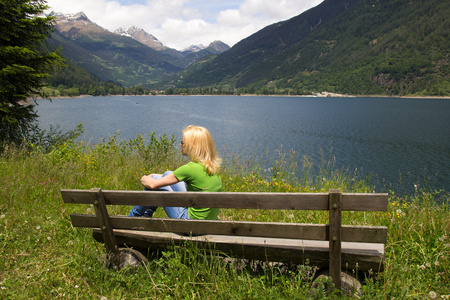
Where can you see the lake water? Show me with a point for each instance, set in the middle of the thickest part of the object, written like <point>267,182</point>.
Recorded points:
<point>399,142</point>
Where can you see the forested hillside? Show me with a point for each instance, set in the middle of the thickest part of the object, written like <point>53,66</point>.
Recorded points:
<point>127,57</point>
<point>391,47</point>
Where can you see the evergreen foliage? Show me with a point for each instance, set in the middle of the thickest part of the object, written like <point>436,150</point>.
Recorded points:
<point>23,65</point>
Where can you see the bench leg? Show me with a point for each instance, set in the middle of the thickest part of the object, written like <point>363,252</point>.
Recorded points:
<point>112,250</point>
<point>335,209</point>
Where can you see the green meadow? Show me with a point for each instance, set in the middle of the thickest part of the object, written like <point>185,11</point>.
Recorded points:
<point>44,257</point>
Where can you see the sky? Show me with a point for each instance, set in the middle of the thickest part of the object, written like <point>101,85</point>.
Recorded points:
<point>181,23</point>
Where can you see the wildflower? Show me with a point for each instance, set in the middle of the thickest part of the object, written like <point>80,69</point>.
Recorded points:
<point>38,227</point>
<point>428,264</point>
<point>291,216</point>
<point>76,286</point>
<point>432,295</point>
<point>70,243</point>
<point>2,216</point>
<point>398,211</point>
<point>49,238</point>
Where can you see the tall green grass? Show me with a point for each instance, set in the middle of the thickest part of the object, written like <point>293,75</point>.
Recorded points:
<point>44,257</point>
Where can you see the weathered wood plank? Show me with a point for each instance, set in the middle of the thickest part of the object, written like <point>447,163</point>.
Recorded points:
<point>355,256</point>
<point>289,201</point>
<point>284,201</point>
<point>365,202</point>
<point>365,234</point>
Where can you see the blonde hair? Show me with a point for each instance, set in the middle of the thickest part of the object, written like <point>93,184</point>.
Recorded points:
<point>200,148</point>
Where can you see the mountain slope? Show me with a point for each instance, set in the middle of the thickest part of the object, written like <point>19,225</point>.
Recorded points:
<point>131,57</point>
<point>108,55</point>
<point>149,40</point>
<point>352,46</point>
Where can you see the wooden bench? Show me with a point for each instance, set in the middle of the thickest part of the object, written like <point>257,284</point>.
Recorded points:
<point>333,245</point>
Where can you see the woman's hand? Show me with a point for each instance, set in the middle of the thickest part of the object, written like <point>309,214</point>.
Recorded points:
<point>147,181</point>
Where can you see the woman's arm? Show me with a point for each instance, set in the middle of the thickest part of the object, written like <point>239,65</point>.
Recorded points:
<point>154,184</point>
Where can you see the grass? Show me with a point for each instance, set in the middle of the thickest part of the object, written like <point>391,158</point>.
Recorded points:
<point>44,257</point>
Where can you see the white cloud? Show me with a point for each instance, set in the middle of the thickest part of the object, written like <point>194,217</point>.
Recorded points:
<point>181,23</point>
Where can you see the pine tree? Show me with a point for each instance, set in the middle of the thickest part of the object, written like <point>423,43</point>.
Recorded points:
<point>24,66</point>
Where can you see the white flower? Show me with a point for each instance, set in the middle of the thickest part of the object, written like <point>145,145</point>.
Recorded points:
<point>291,216</point>
<point>432,295</point>
<point>49,238</point>
<point>38,227</point>
<point>76,286</point>
<point>399,211</point>
<point>2,216</point>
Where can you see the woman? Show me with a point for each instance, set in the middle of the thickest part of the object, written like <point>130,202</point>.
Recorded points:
<point>200,174</point>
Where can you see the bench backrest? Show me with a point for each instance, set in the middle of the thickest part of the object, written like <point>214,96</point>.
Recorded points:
<point>280,201</point>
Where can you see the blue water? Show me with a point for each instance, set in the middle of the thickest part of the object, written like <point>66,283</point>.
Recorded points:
<point>398,142</point>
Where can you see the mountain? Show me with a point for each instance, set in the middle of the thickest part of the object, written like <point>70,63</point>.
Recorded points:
<point>185,57</point>
<point>393,47</point>
<point>108,55</point>
<point>141,36</point>
<point>199,52</point>
<point>129,57</point>
<point>149,40</point>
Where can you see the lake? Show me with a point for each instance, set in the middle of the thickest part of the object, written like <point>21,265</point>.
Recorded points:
<point>398,142</point>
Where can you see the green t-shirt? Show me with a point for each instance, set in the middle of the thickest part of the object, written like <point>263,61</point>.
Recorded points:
<point>197,179</point>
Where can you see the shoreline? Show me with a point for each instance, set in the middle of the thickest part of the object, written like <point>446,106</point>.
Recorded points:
<point>30,100</point>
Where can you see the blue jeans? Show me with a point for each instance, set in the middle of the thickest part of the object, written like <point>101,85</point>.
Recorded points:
<point>172,212</point>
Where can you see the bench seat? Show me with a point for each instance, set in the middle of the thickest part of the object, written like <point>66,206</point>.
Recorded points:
<point>369,256</point>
